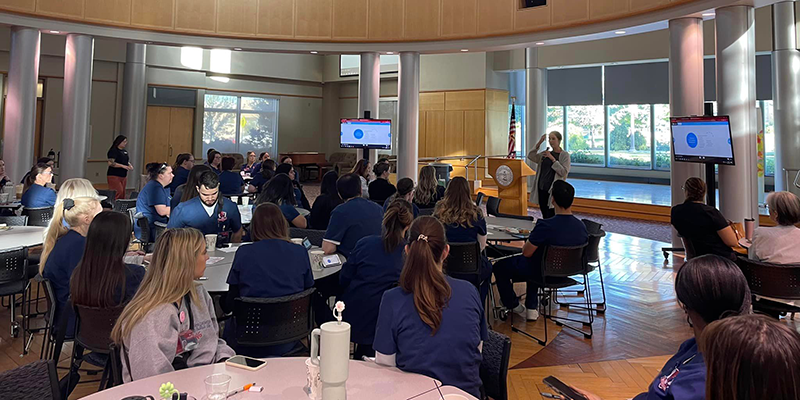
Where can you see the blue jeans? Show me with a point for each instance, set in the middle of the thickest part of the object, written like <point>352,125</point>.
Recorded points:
<point>517,269</point>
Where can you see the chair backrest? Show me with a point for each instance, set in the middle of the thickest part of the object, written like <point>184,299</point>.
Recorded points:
<point>494,365</point>
<point>110,194</point>
<point>492,205</point>
<point>771,280</point>
<point>158,229</point>
<point>93,327</point>
<point>426,211</point>
<point>12,264</point>
<point>273,321</point>
<point>464,262</point>
<point>115,357</point>
<point>38,216</point>
<point>37,380</point>
<point>123,205</point>
<point>561,261</point>
<point>688,248</point>
<point>593,247</point>
<point>592,227</point>
<point>14,220</point>
<point>314,236</point>
<point>144,227</point>
<point>134,195</point>
<point>479,198</point>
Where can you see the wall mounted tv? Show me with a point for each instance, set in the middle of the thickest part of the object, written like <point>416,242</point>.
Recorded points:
<point>704,139</point>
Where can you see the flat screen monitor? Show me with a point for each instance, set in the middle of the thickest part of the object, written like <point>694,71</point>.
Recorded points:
<point>366,134</point>
<point>702,139</point>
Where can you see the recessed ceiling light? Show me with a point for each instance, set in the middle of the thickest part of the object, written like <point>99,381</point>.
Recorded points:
<point>465,50</point>
<point>55,32</point>
<point>237,48</point>
<point>539,43</point>
<point>314,52</point>
<point>389,53</point>
<point>620,32</point>
<point>710,14</point>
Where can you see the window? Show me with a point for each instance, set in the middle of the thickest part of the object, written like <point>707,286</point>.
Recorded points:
<point>663,136</point>
<point>586,136</point>
<point>238,124</point>
<point>768,113</point>
<point>629,136</point>
<point>555,120</point>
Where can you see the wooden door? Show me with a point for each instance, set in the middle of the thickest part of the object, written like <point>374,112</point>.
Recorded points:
<point>181,126</point>
<point>156,141</point>
<point>434,133</point>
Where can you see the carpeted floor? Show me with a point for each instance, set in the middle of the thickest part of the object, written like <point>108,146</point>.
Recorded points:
<point>658,231</point>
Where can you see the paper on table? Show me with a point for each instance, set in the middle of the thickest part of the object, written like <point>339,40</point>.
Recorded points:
<point>214,260</point>
<point>229,249</point>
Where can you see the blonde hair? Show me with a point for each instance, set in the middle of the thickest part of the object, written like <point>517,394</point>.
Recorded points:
<point>75,187</point>
<point>457,207</point>
<point>56,229</point>
<point>426,190</point>
<point>169,278</point>
<point>785,206</point>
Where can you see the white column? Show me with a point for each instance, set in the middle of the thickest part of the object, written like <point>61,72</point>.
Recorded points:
<point>369,92</point>
<point>536,106</point>
<point>76,127</point>
<point>786,95</point>
<point>686,93</point>
<point>134,99</point>
<point>736,96</point>
<point>19,122</point>
<point>408,116</point>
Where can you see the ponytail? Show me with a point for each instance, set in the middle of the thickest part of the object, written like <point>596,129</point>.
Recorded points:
<point>398,217</point>
<point>422,273</point>
<point>37,169</point>
<point>65,214</point>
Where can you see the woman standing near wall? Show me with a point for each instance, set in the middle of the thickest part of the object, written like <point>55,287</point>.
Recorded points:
<point>553,165</point>
<point>118,166</point>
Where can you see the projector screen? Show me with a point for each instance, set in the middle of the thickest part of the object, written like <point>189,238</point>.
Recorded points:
<point>366,133</point>
<point>702,140</point>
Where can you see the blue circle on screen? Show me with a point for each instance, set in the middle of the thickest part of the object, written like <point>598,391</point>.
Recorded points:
<point>729,140</point>
<point>359,134</point>
<point>691,140</point>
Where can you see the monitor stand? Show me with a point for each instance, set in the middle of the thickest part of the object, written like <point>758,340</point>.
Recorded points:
<point>711,185</point>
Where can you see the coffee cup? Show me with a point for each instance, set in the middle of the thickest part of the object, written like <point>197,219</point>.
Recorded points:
<point>297,241</point>
<point>749,228</point>
<point>245,200</point>
<point>313,384</point>
<point>211,242</point>
<point>3,198</point>
<point>316,258</point>
<point>235,199</point>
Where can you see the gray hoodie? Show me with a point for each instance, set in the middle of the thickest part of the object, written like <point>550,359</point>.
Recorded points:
<point>153,341</point>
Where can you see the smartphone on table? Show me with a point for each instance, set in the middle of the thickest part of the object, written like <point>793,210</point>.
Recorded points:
<point>248,363</point>
<point>563,389</point>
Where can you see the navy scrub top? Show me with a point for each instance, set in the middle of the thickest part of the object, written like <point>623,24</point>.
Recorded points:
<point>683,376</point>
<point>465,234</point>
<point>152,194</point>
<point>38,196</point>
<point>258,181</point>
<point>192,214</point>
<point>368,272</point>
<point>230,183</point>
<point>451,355</point>
<point>65,256</point>
<point>352,221</point>
<point>181,176</point>
<point>289,212</point>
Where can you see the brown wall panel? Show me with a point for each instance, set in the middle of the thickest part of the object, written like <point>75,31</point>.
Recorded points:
<point>607,8</point>
<point>497,100</point>
<point>639,5</point>
<point>313,18</point>
<point>66,8</point>
<point>385,19</point>
<point>496,16</point>
<point>421,140</point>
<point>21,5</point>
<point>156,137</point>
<point>196,15</point>
<point>454,133</point>
<point>114,11</point>
<point>350,19</point>
<point>570,11</point>
<point>459,17</point>
<point>153,13</point>
<point>421,19</point>
<point>434,133</point>
<point>475,136</point>
<point>237,16</point>
<point>431,101</point>
<point>181,127</point>
<point>532,18</point>
<point>275,18</point>
<point>466,100</point>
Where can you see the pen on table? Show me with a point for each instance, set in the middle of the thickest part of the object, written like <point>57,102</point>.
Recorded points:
<point>245,388</point>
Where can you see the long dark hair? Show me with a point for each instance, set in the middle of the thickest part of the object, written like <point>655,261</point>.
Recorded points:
<point>457,207</point>
<point>713,287</point>
<point>268,169</point>
<point>117,140</point>
<point>35,171</point>
<point>329,185</point>
<point>397,218</point>
<point>361,169</point>
<point>190,190</point>
<point>101,271</point>
<point>180,159</point>
<point>751,357</point>
<point>422,272</point>
<point>269,223</point>
<point>279,190</point>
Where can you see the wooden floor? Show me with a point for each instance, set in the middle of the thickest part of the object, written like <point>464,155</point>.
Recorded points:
<point>641,329</point>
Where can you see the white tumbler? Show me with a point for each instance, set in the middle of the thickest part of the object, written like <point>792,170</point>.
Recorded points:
<point>330,349</point>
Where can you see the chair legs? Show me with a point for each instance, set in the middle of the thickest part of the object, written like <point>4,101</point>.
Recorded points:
<point>599,306</point>
<point>562,321</point>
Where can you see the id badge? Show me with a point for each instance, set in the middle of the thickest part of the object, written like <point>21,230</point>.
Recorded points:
<point>187,341</point>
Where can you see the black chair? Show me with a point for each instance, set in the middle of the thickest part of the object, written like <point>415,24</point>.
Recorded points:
<point>50,338</point>
<point>144,227</point>
<point>262,322</point>
<point>479,198</point>
<point>40,216</point>
<point>464,262</point>
<point>134,195</point>
<point>92,332</point>
<point>14,281</point>
<point>123,205</point>
<point>493,208</point>
<point>426,211</point>
<point>37,380</point>
<point>689,248</point>
<point>596,234</point>
<point>314,236</point>
<point>14,220</point>
<point>158,230</point>
<point>111,195</point>
<point>115,359</point>
<point>777,281</point>
<point>494,365</point>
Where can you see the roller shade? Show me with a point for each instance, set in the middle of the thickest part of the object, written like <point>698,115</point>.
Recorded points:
<point>575,86</point>
<point>637,83</point>
<point>763,78</point>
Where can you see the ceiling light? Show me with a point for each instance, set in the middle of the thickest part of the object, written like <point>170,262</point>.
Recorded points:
<point>464,50</point>
<point>55,32</point>
<point>192,57</point>
<point>222,79</point>
<point>709,14</point>
<point>620,32</point>
<point>539,43</point>
<point>389,52</point>
<point>221,61</point>
<point>314,52</point>
<point>237,48</point>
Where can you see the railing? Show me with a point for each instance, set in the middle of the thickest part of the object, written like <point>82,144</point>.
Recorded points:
<point>473,163</point>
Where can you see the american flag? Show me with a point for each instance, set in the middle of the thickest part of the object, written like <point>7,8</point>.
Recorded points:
<point>512,135</point>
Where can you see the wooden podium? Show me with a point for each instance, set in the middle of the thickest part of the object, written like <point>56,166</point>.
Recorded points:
<point>511,176</point>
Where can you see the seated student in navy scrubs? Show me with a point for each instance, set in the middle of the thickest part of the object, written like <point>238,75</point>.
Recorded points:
<point>381,189</point>
<point>154,199</point>
<point>214,160</point>
<point>183,164</point>
<point>249,163</point>
<point>272,266</point>
<point>709,288</point>
<point>299,194</point>
<point>260,178</point>
<point>188,190</point>
<point>464,223</point>
<point>209,212</point>
<point>373,267</point>
<point>63,248</point>
<point>353,220</point>
<point>405,191</point>
<point>326,202</point>
<point>36,194</point>
<point>280,191</point>
<point>42,160</point>
<point>561,230</point>
<point>230,183</point>
<point>432,324</point>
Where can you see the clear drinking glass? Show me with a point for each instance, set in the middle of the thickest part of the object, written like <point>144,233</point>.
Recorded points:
<point>217,386</point>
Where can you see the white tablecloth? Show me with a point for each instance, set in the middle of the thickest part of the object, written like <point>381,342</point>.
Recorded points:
<point>19,236</point>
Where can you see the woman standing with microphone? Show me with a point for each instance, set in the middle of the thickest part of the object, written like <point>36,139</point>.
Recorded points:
<point>553,165</point>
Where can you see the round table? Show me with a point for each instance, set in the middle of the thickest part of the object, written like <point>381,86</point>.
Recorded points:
<point>448,392</point>
<point>214,280</point>
<point>285,379</point>
<point>497,229</point>
<point>21,236</point>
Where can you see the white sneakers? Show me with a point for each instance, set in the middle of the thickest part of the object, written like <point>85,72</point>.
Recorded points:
<point>530,315</point>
